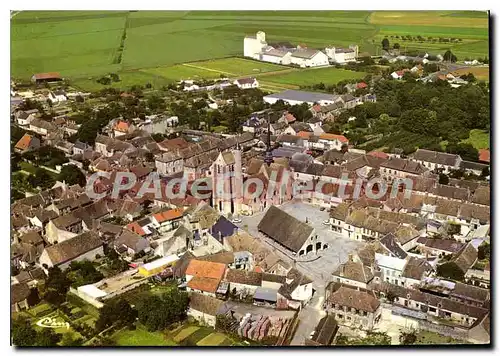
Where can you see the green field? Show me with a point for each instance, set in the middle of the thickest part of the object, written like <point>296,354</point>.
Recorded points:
<point>141,337</point>
<point>479,139</point>
<point>150,46</point>
<point>306,77</point>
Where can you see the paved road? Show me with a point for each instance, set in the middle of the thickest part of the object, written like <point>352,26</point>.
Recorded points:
<point>309,318</point>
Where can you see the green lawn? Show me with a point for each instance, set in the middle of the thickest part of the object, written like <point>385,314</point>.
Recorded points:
<point>178,72</point>
<point>214,339</point>
<point>127,79</point>
<point>312,76</point>
<point>479,139</point>
<point>141,337</point>
<point>28,167</point>
<point>429,337</point>
<point>185,332</point>
<point>238,66</point>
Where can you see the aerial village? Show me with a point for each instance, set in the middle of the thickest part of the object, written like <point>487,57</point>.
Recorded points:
<point>283,268</point>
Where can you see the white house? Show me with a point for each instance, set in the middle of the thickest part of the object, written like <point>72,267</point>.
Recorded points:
<point>246,83</point>
<point>57,96</point>
<point>391,268</point>
<point>204,308</point>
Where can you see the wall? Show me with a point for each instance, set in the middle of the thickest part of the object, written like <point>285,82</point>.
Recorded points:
<point>90,255</point>
<point>202,317</point>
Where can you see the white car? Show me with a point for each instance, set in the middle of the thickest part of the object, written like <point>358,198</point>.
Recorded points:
<point>236,221</point>
<point>326,222</point>
<point>312,334</point>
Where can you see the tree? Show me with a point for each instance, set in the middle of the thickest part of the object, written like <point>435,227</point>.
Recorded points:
<point>443,179</point>
<point>448,56</point>
<point>385,44</point>
<point>71,174</point>
<point>484,251</point>
<point>450,270</point>
<point>390,296</point>
<point>22,333</point>
<point>158,312</point>
<point>83,272</point>
<point>396,46</point>
<point>57,286</point>
<point>69,340</point>
<point>41,178</point>
<point>485,172</point>
<point>407,338</point>
<point>116,311</point>
<point>47,338</point>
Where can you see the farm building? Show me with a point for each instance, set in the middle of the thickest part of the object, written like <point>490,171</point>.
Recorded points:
<point>157,266</point>
<point>256,47</point>
<point>342,55</point>
<point>297,97</point>
<point>46,77</point>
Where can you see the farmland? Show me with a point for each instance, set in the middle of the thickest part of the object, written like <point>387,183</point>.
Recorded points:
<point>307,77</point>
<point>163,46</point>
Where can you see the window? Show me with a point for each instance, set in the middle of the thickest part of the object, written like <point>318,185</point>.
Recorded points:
<point>431,309</point>
<point>348,318</point>
<point>340,316</point>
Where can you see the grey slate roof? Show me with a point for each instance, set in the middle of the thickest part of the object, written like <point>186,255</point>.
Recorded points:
<point>435,157</point>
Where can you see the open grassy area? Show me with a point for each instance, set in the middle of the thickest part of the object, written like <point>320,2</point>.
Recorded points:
<point>214,339</point>
<point>429,337</point>
<point>146,46</point>
<point>238,66</point>
<point>141,337</point>
<point>481,73</point>
<point>479,139</point>
<point>312,76</point>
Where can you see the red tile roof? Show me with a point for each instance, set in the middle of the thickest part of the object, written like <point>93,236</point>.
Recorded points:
<point>135,227</point>
<point>304,134</point>
<point>209,285</point>
<point>327,136</point>
<point>122,126</point>
<point>484,155</point>
<point>24,142</point>
<point>362,85</point>
<point>168,215</point>
<point>49,75</point>
<point>206,269</point>
<point>317,108</point>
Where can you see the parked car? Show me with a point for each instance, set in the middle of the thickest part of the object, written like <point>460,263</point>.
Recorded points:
<point>236,220</point>
<point>326,222</point>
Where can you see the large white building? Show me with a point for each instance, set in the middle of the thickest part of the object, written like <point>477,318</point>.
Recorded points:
<point>257,48</point>
<point>342,55</point>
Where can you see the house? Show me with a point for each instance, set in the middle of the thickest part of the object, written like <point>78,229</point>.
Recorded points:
<point>41,127</point>
<point>167,220</point>
<point>332,141</point>
<point>27,143</point>
<point>439,247</point>
<point>342,55</point>
<point>85,246</point>
<point>433,308</point>
<point>204,277</point>
<point>473,167</point>
<point>391,268</point>
<point>46,77</point>
<point>296,291</point>
<point>415,270</point>
<point>130,243</point>
<point>246,83</point>
<point>57,96</point>
<point>466,258</point>
<point>122,128</point>
<point>204,308</point>
<point>243,283</point>
<point>395,168</point>
<point>19,294</point>
<point>353,273</point>
<point>324,333</point>
<point>472,295</point>
<point>352,307</point>
<point>288,232</point>
<point>24,118</point>
<point>437,160</point>
<point>350,101</point>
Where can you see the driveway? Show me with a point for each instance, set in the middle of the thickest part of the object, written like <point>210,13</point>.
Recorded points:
<point>309,318</point>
